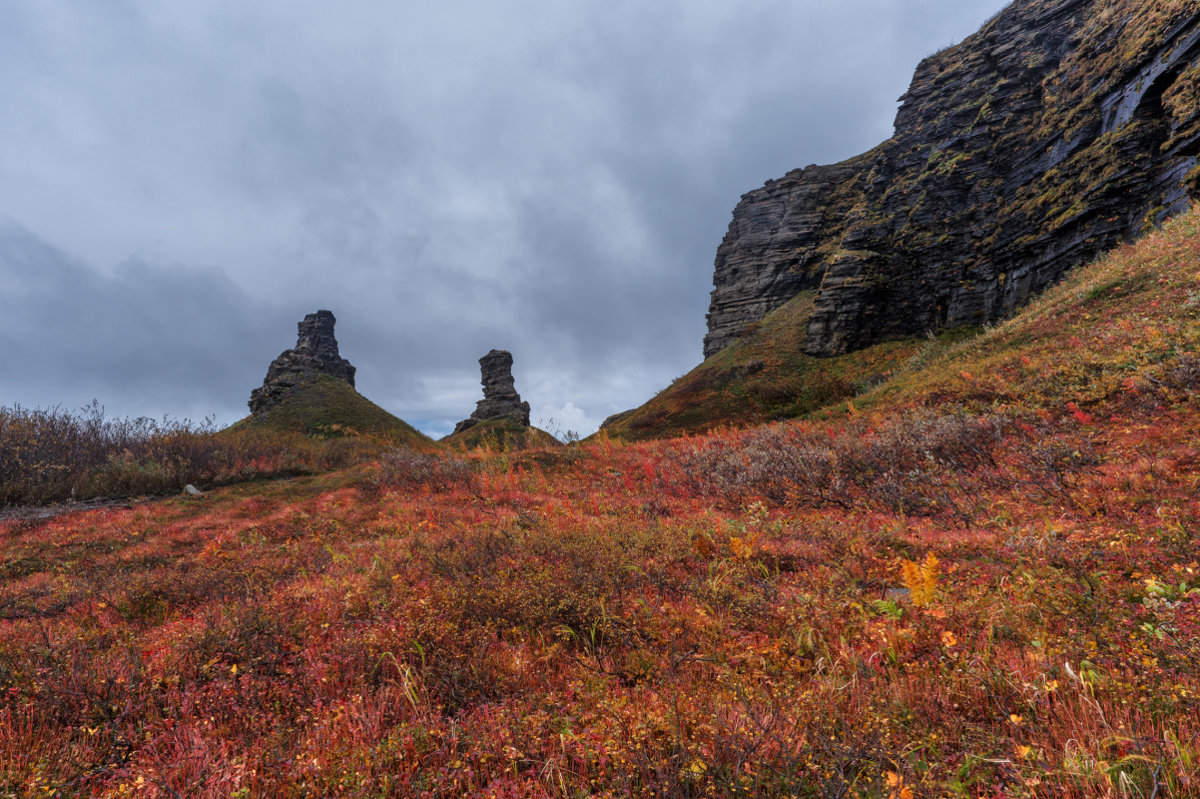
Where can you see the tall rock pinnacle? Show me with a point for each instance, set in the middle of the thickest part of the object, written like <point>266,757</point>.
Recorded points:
<point>500,397</point>
<point>315,354</point>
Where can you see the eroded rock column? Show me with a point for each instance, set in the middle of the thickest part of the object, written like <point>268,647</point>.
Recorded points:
<point>500,397</point>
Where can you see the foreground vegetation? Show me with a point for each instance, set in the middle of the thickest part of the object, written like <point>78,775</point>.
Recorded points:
<point>979,578</point>
<point>57,455</point>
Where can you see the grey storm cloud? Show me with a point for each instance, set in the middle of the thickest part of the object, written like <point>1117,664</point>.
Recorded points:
<point>184,181</point>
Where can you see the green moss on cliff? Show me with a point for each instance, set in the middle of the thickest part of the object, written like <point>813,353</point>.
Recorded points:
<point>1125,329</point>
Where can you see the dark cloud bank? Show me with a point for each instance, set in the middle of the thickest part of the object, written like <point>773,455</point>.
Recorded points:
<point>179,186</point>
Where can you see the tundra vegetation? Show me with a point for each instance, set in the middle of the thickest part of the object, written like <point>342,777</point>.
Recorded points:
<point>975,576</point>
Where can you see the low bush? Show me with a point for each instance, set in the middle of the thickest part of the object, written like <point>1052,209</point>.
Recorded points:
<point>402,468</point>
<point>916,464</point>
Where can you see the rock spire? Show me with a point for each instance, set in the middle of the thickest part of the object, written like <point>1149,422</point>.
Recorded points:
<point>315,354</point>
<point>500,397</point>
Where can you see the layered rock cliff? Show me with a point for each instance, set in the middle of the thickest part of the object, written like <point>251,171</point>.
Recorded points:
<point>1061,128</point>
<point>315,354</point>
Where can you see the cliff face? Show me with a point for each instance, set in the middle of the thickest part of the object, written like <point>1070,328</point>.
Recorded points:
<point>1061,128</point>
<point>778,243</point>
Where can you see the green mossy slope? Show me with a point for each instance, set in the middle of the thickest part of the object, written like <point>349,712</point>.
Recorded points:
<point>331,408</point>
<point>765,376</point>
<point>1125,329</point>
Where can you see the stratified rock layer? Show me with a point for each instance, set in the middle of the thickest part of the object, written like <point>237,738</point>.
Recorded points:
<point>500,397</point>
<point>315,354</point>
<point>1060,129</point>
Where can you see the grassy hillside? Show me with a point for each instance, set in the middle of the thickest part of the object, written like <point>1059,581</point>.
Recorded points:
<point>331,408</point>
<point>1124,331</point>
<point>766,376</point>
<point>980,578</point>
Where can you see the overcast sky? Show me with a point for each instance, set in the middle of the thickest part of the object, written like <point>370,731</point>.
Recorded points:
<point>182,180</point>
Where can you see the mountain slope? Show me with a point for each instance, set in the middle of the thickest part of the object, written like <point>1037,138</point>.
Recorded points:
<point>763,376</point>
<point>1123,330</point>
<point>1126,317</point>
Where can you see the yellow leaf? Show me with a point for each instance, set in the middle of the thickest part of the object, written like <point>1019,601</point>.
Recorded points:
<point>898,790</point>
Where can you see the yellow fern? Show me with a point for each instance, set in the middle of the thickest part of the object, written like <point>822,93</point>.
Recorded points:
<point>921,579</point>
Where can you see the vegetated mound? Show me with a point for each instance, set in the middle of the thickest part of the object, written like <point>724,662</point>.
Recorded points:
<point>1060,129</point>
<point>327,407</point>
<point>502,434</point>
<point>1083,339</point>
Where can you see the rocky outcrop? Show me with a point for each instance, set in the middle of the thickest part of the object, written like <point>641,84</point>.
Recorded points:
<point>1060,129</point>
<point>315,354</point>
<point>500,397</point>
<point>777,244</point>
